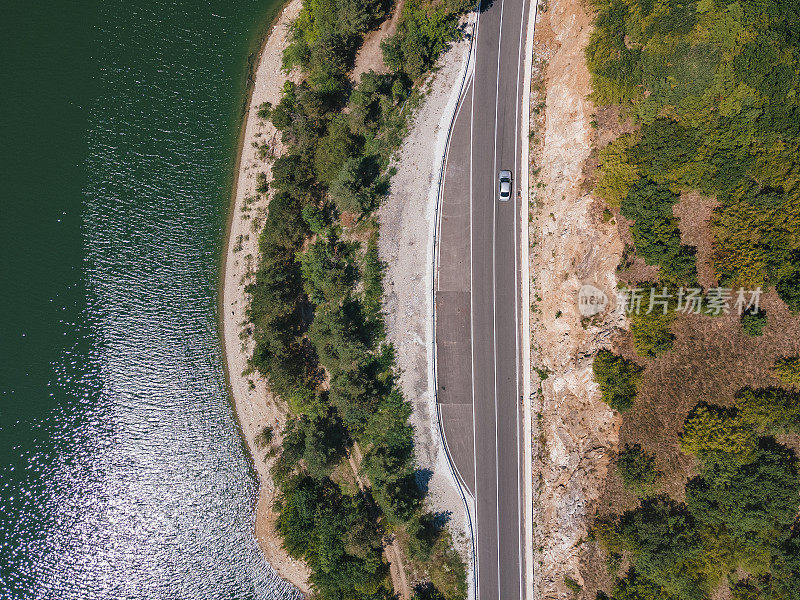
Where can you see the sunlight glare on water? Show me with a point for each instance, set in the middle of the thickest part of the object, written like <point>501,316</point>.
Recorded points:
<point>129,480</point>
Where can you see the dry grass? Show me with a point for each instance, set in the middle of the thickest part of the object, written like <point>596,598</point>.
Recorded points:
<point>711,359</point>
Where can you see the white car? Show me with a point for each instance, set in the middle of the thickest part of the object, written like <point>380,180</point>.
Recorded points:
<point>505,185</point>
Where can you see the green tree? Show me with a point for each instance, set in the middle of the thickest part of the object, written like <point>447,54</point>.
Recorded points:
<point>756,503</point>
<point>334,148</point>
<point>638,471</point>
<point>753,323</point>
<point>656,234</point>
<point>663,540</point>
<point>618,379</point>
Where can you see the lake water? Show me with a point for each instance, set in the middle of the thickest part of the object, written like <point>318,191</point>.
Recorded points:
<point>122,475</point>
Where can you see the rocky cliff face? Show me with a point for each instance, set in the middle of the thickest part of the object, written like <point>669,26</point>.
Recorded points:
<point>572,246</point>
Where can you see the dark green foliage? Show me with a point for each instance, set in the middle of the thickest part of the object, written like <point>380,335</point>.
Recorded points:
<point>424,32</point>
<point>358,185</point>
<point>427,591</point>
<point>753,323</point>
<point>655,232</point>
<point>262,184</point>
<point>328,269</point>
<point>788,289</point>
<point>425,532</point>
<point>637,468</point>
<point>618,379</point>
<point>264,437</point>
<point>335,536</point>
<point>334,148</point>
<point>373,287</point>
<point>664,541</point>
<point>756,503</point>
<point>264,111</point>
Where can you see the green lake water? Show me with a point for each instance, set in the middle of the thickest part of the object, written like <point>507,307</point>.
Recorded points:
<point>122,475</point>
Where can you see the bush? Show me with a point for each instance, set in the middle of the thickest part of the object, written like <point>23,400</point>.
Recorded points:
<point>787,370</point>
<point>717,435</point>
<point>637,468</point>
<point>262,183</point>
<point>618,378</point>
<point>617,173</point>
<point>264,111</point>
<point>753,323</point>
<point>656,234</point>
<point>651,332</point>
<point>771,410</point>
<point>264,437</point>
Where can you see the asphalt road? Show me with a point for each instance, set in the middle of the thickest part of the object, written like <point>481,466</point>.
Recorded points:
<point>478,298</point>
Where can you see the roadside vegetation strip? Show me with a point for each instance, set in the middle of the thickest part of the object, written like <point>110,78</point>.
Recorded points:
<point>710,90</point>
<point>316,305</point>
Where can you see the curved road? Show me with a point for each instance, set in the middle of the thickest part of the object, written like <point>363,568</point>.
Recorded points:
<point>477,298</point>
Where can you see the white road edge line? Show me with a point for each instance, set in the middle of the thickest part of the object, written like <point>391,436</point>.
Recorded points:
<point>526,322</point>
<point>517,361</point>
<point>471,306</point>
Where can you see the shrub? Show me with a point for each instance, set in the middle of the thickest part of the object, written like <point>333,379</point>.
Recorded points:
<point>787,370</point>
<point>651,332</point>
<point>637,468</point>
<point>617,173</point>
<point>618,378</point>
<point>717,435</point>
<point>753,323</point>
<point>769,410</point>
<point>573,586</point>
<point>262,183</point>
<point>264,437</point>
<point>264,111</point>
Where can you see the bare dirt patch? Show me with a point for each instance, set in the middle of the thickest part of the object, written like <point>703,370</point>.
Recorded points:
<point>370,56</point>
